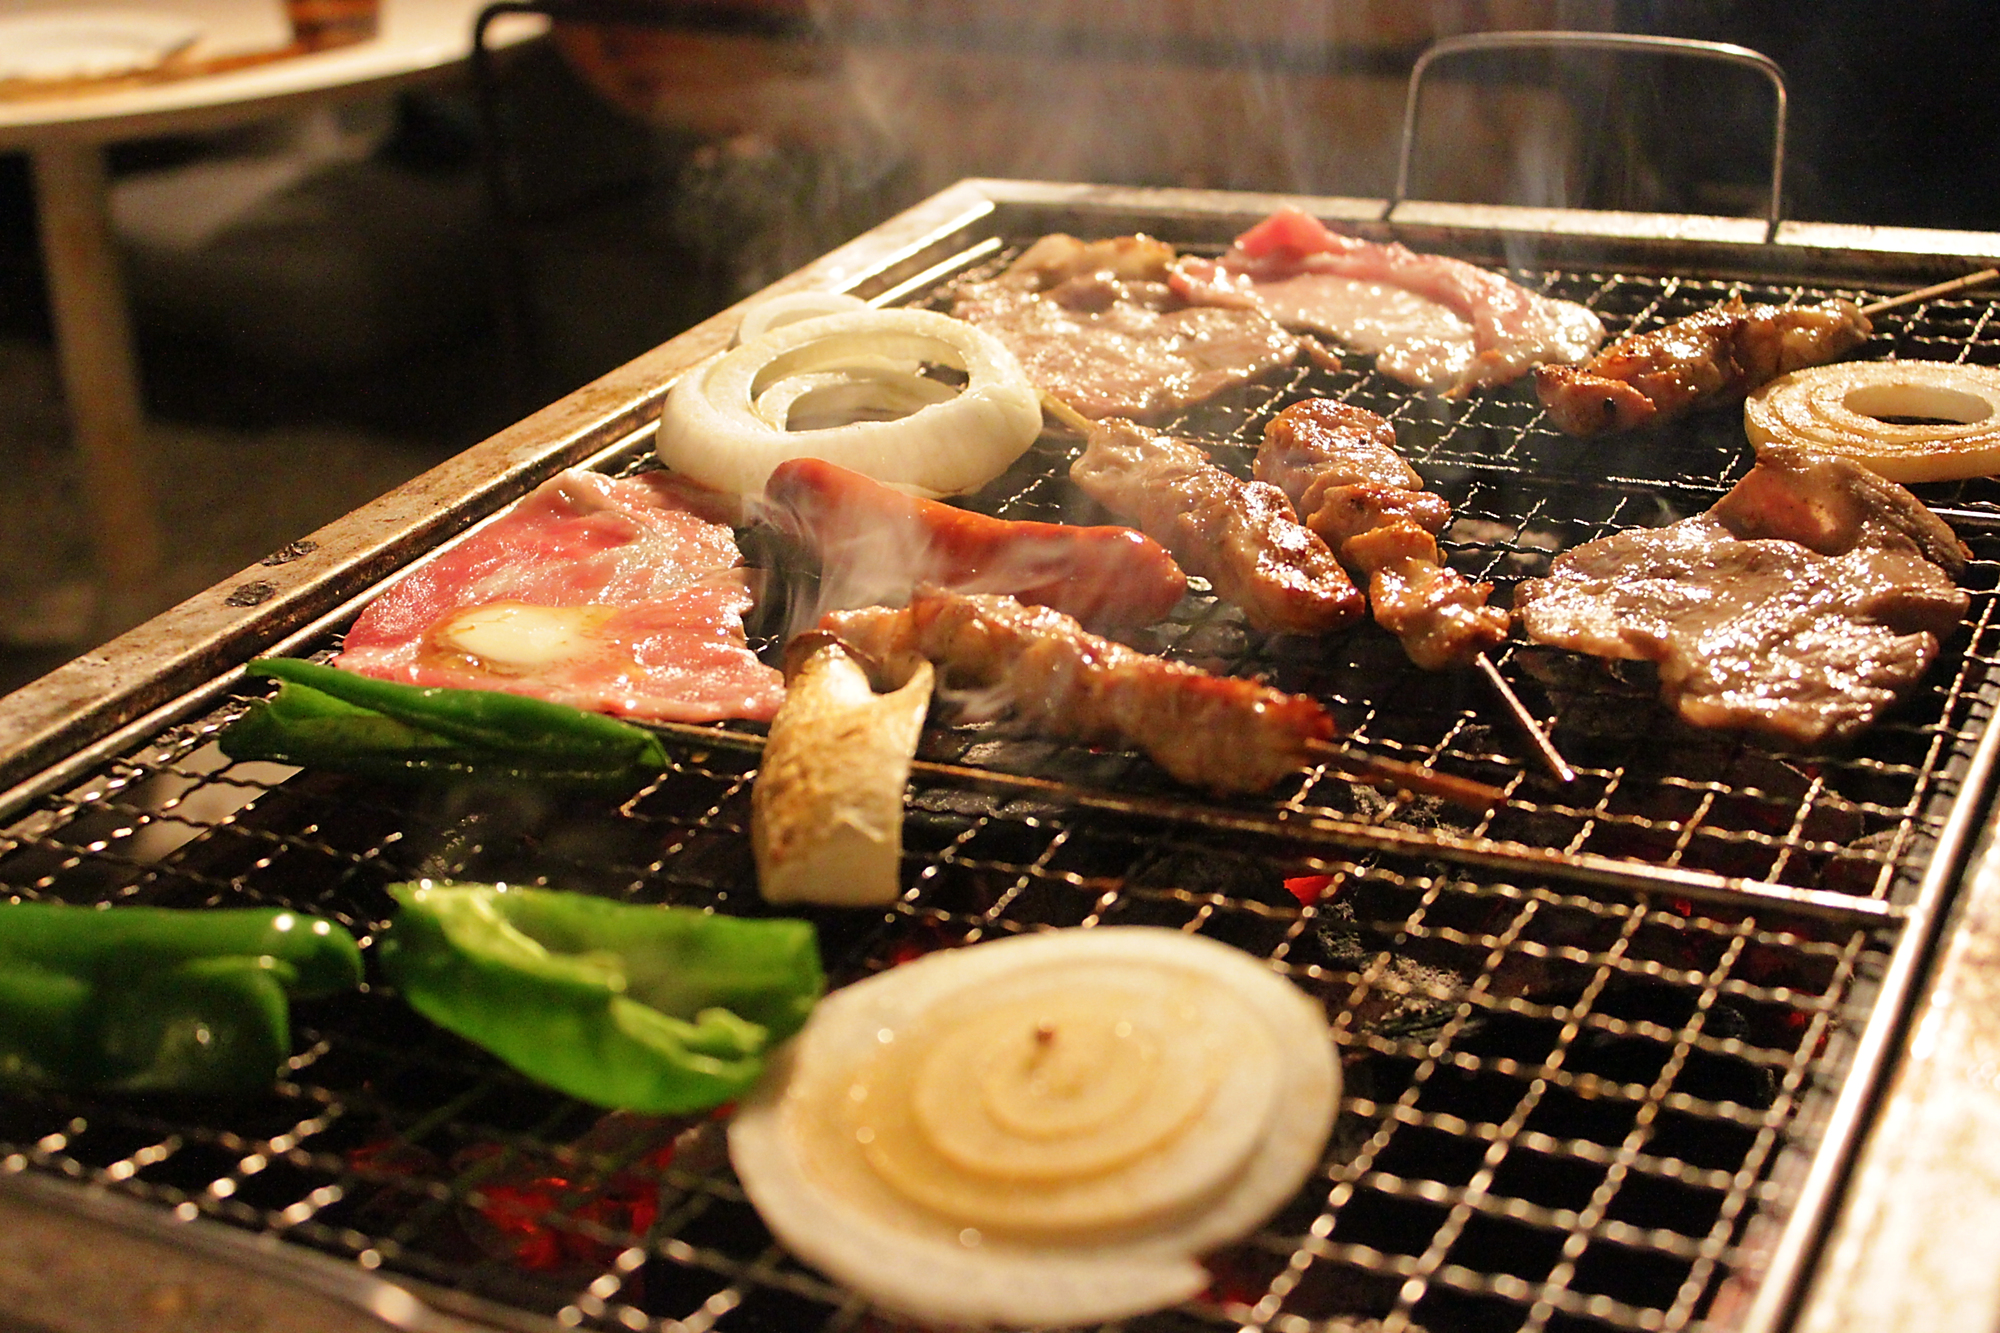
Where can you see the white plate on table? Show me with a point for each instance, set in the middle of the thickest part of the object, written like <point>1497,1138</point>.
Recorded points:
<point>60,46</point>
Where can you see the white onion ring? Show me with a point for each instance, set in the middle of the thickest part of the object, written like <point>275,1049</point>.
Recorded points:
<point>907,1259</point>
<point>777,311</point>
<point>827,399</point>
<point>1838,408</point>
<point>710,428</point>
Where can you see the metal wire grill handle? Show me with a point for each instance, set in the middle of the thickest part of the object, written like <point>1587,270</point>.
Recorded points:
<point>1627,42</point>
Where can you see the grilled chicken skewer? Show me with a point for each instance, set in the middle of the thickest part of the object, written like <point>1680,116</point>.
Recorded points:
<point>1712,358</point>
<point>1709,359</point>
<point>1339,464</point>
<point>1444,616</point>
<point>1223,733</point>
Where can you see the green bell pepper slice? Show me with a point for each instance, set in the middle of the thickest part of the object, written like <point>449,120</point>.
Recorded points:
<point>142,999</point>
<point>664,1010</point>
<point>323,717</point>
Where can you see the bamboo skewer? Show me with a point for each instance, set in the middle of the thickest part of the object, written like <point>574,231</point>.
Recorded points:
<point>1545,748</point>
<point>1359,766</point>
<point>1538,738</point>
<point>1064,413</point>
<point>1353,765</point>
<point>1935,289</point>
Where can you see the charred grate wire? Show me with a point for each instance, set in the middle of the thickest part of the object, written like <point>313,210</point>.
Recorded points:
<point>1563,1109</point>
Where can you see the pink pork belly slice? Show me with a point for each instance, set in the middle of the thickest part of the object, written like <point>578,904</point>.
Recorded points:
<point>623,597</point>
<point>1487,329</point>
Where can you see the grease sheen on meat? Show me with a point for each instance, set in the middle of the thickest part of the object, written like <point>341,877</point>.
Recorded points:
<point>1710,359</point>
<point>1096,324</point>
<point>1220,732</point>
<point>1242,536</point>
<point>1806,602</point>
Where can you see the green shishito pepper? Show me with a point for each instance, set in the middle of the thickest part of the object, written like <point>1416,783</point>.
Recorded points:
<point>323,717</point>
<point>657,1009</point>
<point>154,999</point>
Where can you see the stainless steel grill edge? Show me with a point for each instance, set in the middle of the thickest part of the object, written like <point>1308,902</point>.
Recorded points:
<point>1624,1099</point>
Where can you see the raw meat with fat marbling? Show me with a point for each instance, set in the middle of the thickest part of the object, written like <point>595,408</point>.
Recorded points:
<point>620,596</point>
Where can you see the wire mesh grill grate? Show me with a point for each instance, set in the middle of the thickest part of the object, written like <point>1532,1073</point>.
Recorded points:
<point>1564,1108</point>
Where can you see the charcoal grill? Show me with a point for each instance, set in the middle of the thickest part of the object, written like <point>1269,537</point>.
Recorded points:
<point>1611,1049</point>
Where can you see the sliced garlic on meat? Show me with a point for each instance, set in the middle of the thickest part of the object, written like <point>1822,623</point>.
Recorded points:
<point>515,638</point>
<point>1042,1130</point>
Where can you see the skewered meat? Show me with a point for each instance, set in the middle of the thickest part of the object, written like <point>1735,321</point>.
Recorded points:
<point>1220,732</point>
<point>1096,325</point>
<point>1243,537</point>
<point>618,596</point>
<point>1430,319</point>
<point>1710,359</point>
<point>876,544</point>
<point>1340,467</point>
<point>1801,606</point>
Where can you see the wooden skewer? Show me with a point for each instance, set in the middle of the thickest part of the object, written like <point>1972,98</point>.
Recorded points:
<point>1544,748</point>
<point>1935,289</point>
<point>1065,414</point>
<point>1526,721</point>
<point>1339,760</point>
<point>1414,778</point>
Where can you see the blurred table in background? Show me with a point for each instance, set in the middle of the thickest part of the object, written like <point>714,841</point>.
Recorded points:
<point>241,69</point>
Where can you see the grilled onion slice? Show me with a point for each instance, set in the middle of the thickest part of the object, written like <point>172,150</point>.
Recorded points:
<point>1840,407</point>
<point>1041,1130</point>
<point>921,437</point>
<point>777,311</point>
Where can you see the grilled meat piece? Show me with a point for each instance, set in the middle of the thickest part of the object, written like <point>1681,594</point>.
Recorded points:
<point>1431,320</point>
<point>1801,606</point>
<point>1319,444</point>
<point>1339,465</point>
<point>1095,324</point>
<point>1243,537</point>
<point>1218,732</point>
<point>1710,359</point>
<point>875,544</point>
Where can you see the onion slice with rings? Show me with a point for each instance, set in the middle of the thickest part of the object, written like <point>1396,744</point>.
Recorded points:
<point>1043,1130</point>
<point>711,428</point>
<point>777,311</point>
<point>1840,409</point>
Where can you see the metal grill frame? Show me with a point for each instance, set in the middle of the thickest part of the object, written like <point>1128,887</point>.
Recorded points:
<point>183,663</point>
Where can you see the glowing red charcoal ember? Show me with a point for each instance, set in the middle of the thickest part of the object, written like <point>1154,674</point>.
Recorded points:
<point>1308,888</point>
<point>622,596</point>
<point>546,1214</point>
